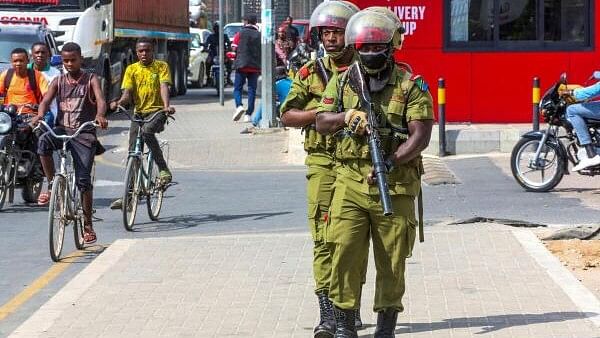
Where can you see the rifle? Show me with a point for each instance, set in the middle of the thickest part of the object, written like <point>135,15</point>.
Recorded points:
<point>358,84</point>
<point>323,74</point>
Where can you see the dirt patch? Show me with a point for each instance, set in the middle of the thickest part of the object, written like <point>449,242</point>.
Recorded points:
<point>582,258</point>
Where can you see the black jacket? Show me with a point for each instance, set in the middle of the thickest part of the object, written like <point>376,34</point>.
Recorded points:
<point>248,49</point>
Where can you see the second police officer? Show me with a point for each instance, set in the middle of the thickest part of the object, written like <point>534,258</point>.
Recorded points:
<point>298,110</point>
<point>401,101</point>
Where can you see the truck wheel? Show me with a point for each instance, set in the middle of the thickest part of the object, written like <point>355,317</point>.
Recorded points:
<point>183,79</point>
<point>174,67</point>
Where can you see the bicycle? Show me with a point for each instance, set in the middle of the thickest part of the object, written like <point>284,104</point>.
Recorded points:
<point>65,200</point>
<point>141,176</point>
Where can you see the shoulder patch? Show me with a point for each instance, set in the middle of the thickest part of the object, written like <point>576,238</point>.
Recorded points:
<point>328,100</point>
<point>420,82</point>
<point>304,72</point>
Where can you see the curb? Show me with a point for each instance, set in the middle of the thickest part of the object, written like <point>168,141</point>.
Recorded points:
<point>48,313</point>
<point>583,298</point>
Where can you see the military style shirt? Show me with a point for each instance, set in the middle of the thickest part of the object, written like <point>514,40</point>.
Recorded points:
<point>404,98</point>
<point>307,89</point>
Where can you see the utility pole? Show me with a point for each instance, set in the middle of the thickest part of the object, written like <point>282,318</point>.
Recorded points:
<point>267,64</point>
<point>221,54</point>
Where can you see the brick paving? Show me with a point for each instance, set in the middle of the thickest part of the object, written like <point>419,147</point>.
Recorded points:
<point>468,281</point>
<point>203,136</point>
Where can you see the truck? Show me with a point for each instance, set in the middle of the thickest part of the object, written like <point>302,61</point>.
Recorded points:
<point>107,31</point>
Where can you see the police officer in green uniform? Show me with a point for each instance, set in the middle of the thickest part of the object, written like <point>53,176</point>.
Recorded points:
<point>298,110</point>
<point>401,103</point>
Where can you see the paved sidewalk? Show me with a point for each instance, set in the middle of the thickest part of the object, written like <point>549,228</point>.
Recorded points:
<point>469,281</point>
<point>203,136</point>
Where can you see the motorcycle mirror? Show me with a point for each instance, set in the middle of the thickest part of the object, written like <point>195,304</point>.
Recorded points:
<point>563,78</point>
<point>10,109</point>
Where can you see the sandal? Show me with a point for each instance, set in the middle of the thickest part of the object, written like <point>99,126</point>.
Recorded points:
<point>89,236</point>
<point>44,199</point>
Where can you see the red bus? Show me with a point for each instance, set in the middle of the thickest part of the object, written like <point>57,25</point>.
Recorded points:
<point>488,51</point>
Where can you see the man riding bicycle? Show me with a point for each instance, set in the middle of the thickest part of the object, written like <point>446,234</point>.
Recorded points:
<point>147,82</point>
<point>80,99</point>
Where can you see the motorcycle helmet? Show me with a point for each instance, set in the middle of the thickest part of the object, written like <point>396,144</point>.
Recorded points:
<point>332,14</point>
<point>368,27</point>
<point>399,34</point>
<point>371,34</point>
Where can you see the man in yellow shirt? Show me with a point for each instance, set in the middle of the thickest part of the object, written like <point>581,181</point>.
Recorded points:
<point>146,83</point>
<point>21,86</point>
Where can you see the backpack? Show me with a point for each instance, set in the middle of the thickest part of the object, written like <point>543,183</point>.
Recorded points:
<point>32,83</point>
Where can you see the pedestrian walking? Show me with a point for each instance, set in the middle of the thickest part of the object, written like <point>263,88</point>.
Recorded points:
<point>329,19</point>
<point>247,67</point>
<point>401,101</point>
<point>282,88</point>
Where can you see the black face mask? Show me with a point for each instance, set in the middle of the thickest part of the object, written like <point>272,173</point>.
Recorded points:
<point>374,62</point>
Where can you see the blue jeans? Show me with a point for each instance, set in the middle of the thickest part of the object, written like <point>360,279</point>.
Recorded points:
<point>577,113</point>
<point>238,86</point>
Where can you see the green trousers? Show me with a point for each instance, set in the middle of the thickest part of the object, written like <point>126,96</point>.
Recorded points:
<point>319,191</point>
<point>355,218</point>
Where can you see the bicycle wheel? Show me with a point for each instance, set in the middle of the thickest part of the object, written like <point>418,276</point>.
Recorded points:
<point>156,193</point>
<point>57,217</point>
<point>131,193</point>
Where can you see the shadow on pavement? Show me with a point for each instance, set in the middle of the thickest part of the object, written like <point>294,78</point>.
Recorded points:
<point>190,221</point>
<point>493,323</point>
<point>22,208</point>
<point>85,256</point>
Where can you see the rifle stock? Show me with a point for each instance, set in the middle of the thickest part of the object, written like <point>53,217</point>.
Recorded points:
<point>359,85</point>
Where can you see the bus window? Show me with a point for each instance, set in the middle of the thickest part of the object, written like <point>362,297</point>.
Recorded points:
<point>568,14</point>
<point>518,24</point>
<point>517,20</point>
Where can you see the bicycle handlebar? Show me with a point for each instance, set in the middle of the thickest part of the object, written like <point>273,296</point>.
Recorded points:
<point>67,137</point>
<point>121,109</point>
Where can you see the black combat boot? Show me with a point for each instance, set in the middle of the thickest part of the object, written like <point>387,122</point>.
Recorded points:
<point>344,323</point>
<point>386,324</point>
<point>357,320</point>
<point>326,327</point>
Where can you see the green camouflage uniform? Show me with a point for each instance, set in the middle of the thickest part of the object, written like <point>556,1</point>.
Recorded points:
<point>305,94</point>
<point>356,214</point>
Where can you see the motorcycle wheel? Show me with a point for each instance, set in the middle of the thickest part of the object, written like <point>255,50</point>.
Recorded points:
<point>32,189</point>
<point>537,178</point>
<point>4,168</point>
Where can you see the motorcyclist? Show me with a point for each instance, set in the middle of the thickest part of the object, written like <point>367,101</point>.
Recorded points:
<point>212,42</point>
<point>577,113</point>
<point>24,88</point>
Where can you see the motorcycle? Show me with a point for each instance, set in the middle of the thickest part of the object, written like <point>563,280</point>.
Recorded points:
<point>298,58</point>
<point>19,164</point>
<point>215,69</point>
<point>540,159</point>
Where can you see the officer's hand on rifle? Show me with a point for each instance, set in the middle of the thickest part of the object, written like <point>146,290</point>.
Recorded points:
<point>356,121</point>
<point>389,166</point>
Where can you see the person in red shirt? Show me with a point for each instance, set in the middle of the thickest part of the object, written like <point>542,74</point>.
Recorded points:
<point>247,67</point>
